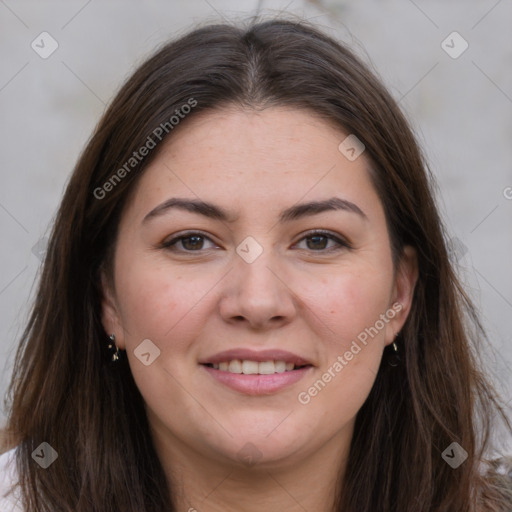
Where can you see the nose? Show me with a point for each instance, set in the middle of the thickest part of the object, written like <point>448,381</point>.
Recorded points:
<point>258,294</point>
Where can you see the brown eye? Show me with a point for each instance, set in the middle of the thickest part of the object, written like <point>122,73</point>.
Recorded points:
<point>191,242</point>
<point>318,241</point>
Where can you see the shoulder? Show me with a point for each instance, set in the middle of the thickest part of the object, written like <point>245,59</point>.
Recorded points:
<point>9,497</point>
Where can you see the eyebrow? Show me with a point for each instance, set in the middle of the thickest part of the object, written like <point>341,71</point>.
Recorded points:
<point>215,212</point>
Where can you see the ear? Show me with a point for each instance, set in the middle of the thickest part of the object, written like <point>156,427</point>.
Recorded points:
<point>403,291</point>
<point>110,317</point>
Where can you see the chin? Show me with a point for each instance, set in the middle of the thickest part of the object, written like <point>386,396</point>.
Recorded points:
<point>263,451</point>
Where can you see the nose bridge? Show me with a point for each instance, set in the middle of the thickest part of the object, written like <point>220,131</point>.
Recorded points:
<point>256,275</point>
<point>259,276</point>
<point>257,291</point>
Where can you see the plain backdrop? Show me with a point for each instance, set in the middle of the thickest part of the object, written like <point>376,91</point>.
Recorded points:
<point>460,105</point>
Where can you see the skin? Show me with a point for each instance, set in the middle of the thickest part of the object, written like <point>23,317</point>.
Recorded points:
<point>296,296</point>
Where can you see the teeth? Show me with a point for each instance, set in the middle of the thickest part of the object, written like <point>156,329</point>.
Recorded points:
<point>234,366</point>
<point>267,368</point>
<point>280,366</point>
<point>248,367</point>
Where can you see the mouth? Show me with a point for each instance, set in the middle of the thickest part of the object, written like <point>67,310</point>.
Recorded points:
<point>256,372</point>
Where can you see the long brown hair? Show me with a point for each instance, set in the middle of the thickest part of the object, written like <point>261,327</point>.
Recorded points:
<point>64,389</point>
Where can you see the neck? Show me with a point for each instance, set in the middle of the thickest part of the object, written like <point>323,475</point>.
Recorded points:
<point>206,484</point>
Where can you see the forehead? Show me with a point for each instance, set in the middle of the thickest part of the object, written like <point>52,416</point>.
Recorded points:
<point>275,136</point>
<point>252,160</point>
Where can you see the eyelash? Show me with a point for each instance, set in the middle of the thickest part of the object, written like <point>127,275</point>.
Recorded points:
<point>342,244</point>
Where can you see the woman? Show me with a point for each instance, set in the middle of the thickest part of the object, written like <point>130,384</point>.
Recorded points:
<point>247,301</point>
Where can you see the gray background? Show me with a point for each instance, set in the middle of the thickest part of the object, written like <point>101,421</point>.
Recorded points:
<point>461,109</point>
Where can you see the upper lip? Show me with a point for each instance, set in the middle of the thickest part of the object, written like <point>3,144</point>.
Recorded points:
<point>256,355</point>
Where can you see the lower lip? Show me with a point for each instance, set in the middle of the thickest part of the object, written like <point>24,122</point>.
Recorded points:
<point>258,384</point>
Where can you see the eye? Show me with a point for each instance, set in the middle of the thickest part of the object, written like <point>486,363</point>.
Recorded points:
<point>320,238</point>
<point>190,242</point>
<point>194,242</point>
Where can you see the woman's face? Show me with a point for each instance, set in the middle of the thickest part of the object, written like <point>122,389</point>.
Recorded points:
<point>255,292</point>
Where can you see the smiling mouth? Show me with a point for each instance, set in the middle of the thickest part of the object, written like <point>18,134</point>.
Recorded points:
<point>248,367</point>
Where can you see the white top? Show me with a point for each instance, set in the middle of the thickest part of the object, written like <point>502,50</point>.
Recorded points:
<point>9,501</point>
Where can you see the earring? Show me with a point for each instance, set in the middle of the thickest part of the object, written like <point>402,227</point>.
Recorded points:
<point>394,358</point>
<point>111,345</point>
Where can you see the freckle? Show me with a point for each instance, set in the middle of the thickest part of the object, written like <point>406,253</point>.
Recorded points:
<point>332,312</point>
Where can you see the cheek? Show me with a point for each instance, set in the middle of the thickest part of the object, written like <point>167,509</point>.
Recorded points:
<point>350,307</point>
<point>156,301</point>
<point>163,306</point>
<point>351,302</point>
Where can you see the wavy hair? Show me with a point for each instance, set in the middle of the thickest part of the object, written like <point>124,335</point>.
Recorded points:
<point>64,389</point>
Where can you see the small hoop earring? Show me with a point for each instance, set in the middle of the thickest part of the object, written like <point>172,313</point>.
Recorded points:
<point>111,346</point>
<point>394,358</point>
